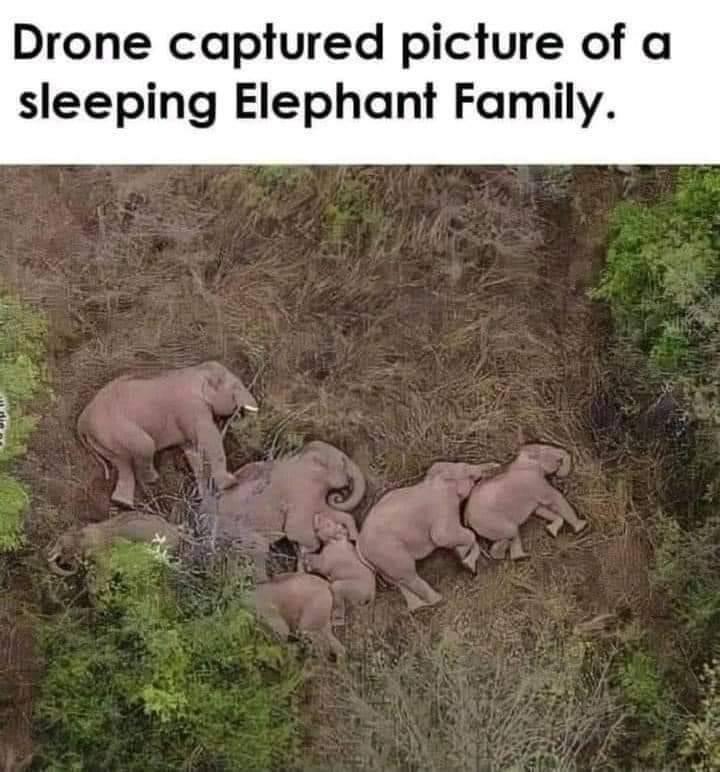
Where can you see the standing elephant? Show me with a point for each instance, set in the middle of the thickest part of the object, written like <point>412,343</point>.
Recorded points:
<point>499,506</point>
<point>351,581</point>
<point>283,497</point>
<point>83,542</point>
<point>408,524</point>
<point>298,603</point>
<point>131,418</point>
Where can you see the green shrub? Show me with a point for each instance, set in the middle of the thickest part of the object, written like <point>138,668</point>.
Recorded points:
<point>167,672</point>
<point>23,377</point>
<point>662,278</point>
<point>702,735</point>
<point>352,212</point>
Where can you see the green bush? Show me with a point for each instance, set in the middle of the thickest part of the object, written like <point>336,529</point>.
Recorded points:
<point>167,672</point>
<point>23,377</point>
<point>702,735</point>
<point>662,278</point>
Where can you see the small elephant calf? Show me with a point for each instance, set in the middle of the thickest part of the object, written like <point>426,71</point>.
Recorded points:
<point>297,602</point>
<point>351,580</point>
<point>498,506</point>
<point>83,542</point>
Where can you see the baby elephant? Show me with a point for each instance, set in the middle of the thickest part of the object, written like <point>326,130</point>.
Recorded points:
<point>499,506</point>
<point>351,581</point>
<point>300,603</point>
<point>132,418</point>
<point>83,542</point>
<point>408,524</point>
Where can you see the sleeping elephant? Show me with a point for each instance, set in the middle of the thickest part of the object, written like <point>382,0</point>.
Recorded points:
<point>499,506</point>
<point>280,498</point>
<point>131,418</point>
<point>298,603</point>
<point>82,542</point>
<point>408,524</point>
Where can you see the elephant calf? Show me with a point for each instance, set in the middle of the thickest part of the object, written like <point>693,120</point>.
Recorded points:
<point>498,507</point>
<point>131,418</point>
<point>300,603</point>
<point>352,582</point>
<point>408,524</point>
<point>83,542</point>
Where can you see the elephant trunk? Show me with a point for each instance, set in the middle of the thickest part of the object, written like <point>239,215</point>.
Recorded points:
<point>56,568</point>
<point>565,464</point>
<point>245,401</point>
<point>336,500</point>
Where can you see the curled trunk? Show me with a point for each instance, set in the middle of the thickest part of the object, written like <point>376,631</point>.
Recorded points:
<point>358,486</point>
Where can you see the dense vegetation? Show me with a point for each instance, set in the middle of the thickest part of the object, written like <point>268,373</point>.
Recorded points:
<point>22,379</point>
<point>662,283</point>
<point>167,671</point>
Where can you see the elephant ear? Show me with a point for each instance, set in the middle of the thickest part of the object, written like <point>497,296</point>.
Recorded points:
<point>212,380</point>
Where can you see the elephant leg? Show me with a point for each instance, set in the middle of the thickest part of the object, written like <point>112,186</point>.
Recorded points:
<point>448,532</point>
<point>195,460</point>
<point>124,492</point>
<point>325,640</point>
<point>516,548</point>
<point>210,447</point>
<point>499,549</point>
<point>338,612</point>
<point>276,623</point>
<point>554,500</point>
<point>418,593</point>
<point>555,522</point>
<point>141,448</point>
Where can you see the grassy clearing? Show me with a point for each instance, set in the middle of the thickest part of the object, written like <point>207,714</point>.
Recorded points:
<point>406,315</point>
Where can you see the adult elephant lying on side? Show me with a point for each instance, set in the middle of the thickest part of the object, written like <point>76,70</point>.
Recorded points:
<point>281,498</point>
<point>408,524</point>
<point>131,418</point>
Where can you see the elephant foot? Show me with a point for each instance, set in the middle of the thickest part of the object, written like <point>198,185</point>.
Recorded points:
<point>122,501</point>
<point>580,526</point>
<point>554,528</point>
<point>499,549</point>
<point>470,561</point>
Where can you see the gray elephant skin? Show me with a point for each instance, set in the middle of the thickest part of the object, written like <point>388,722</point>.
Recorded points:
<point>352,582</point>
<point>280,498</point>
<point>298,603</point>
<point>408,524</point>
<point>131,418</point>
<point>83,542</point>
<point>497,507</point>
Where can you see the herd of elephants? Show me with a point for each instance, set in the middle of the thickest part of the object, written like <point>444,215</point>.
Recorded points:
<point>307,498</point>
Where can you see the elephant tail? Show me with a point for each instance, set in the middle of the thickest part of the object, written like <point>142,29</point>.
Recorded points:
<point>95,450</point>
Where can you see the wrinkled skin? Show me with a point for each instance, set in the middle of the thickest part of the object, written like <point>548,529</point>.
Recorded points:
<point>352,582</point>
<point>299,603</point>
<point>281,498</point>
<point>408,524</point>
<point>132,418</point>
<point>499,506</point>
<point>82,543</point>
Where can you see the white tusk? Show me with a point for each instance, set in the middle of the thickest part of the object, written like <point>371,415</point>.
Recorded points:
<point>250,408</point>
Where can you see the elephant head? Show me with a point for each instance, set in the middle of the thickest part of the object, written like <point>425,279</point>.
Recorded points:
<point>223,391</point>
<point>461,476</point>
<point>339,471</point>
<point>64,556</point>
<point>550,458</point>
<point>327,529</point>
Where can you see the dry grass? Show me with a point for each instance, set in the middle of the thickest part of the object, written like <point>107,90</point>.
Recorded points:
<point>439,315</point>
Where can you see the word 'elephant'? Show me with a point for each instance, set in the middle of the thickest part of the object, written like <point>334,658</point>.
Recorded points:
<point>499,506</point>
<point>408,524</point>
<point>131,418</point>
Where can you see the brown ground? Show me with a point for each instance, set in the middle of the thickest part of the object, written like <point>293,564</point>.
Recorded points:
<point>435,313</point>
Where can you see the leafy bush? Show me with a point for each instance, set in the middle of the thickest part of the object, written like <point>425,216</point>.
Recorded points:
<point>22,378</point>
<point>702,735</point>
<point>167,672</point>
<point>662,278</point>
